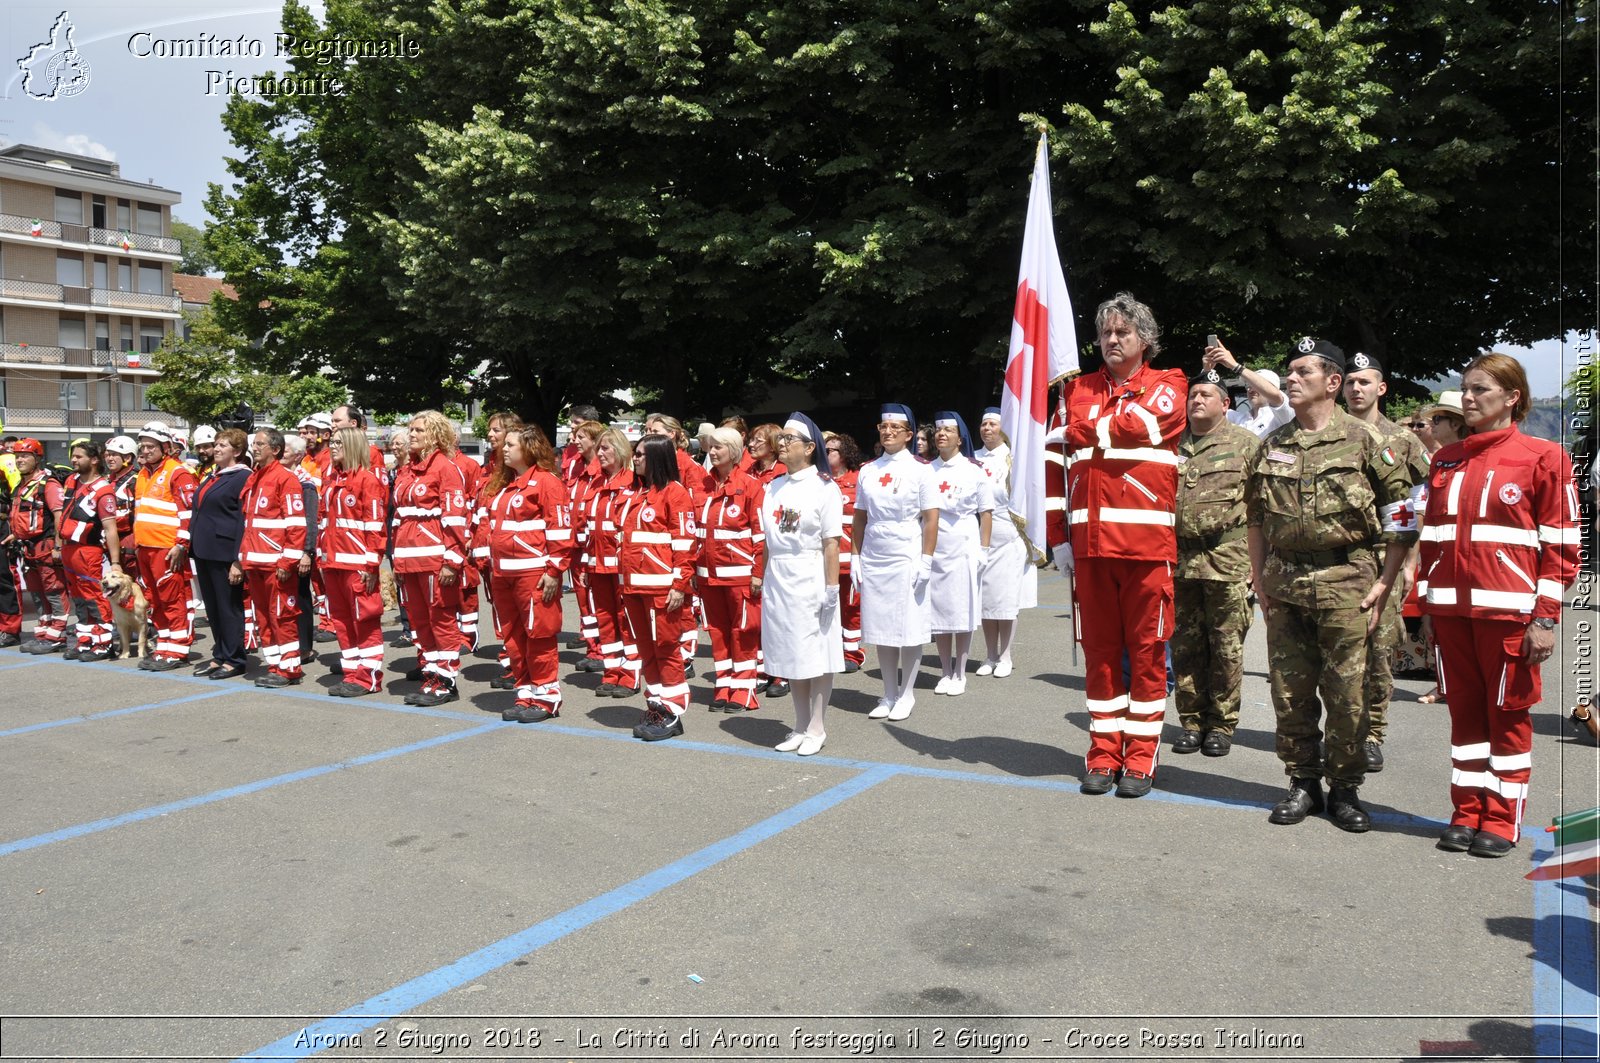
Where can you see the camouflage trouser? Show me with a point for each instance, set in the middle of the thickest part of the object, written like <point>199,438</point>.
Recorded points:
<point>1212,617</point>
<point>1312,651</point>
<point>1380,668</point>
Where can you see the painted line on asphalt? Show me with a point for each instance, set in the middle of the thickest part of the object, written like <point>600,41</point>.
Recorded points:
<point>96,826</point>
<point>109,713</point>
<point>1566,998</point>
<point>411,995</point>
<point>19,664</point>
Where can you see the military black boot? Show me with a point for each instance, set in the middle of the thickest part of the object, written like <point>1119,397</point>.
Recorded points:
<point>1304,797</point>
<point>1344,808</point>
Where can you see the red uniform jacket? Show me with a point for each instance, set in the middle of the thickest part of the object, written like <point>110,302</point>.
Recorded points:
<point>694,478</point>
<point>526,525</point>
<point>1500,538</point>
<point>352,526</point>
<point>602,549</point>
<point>274,510</point>
<point>846,482</point>
<point>657,532</point>
<point>729,530</point>
<point>430,515</point>
<point>87,504</point>
<point>34,504</point>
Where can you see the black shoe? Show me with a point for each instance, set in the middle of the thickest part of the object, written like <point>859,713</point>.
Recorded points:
<point>777,688</point>
<point>1187,742</point>
<point>1345,810</point>
<point>94,655</point>
<point>403,640</point>
<point>164,664</point>
<point>1490,845</point>
<point>1456,839</point>
<point>577,642</point>
<point>207,668</point>
<point>348,690</point>
<point>1216,744</point>
<point>416,675</point>
<point>733,707</point>
<point>8,639</point>
<point>761,686</point>
<point>504,682</point>
<point>1374,754</point>
<point>438,694</point>
<point>620,691</point>
<point>71,652</point>
<point>273,681</point>
<point>1095,783</point>
<point>589,664</point>
<point>228,671</point>
<point>525,714</point>
<point>41,647</point>
<point>325,634</point>
<point>688,669</point>
<point>1134,784</point>
<point>1304,797</point>
<point>605,690</point>
<point>666,725</point>
<point>851,666</point>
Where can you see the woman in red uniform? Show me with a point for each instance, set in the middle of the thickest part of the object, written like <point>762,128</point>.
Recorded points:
<point>730,560</point>
<point>697,481</point>
<point>350,546</point>
<point>657,566</point>
<point>88,539</point>
<point>494,476</point>
<point>586,476</point>
<point>526,524</point>
<point>270,549</point>
<point>430,551</point>
<point>844,464</point>
<point>601,556</point>
<point>1499,544</point>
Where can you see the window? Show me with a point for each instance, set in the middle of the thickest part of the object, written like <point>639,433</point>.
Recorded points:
<point>102,334</point>
<point>127,337</point>
<point>150,338</point>
<point>69,207</point>
<point>124,215</point>
<point>149,220</point>
<point>98,212</point>
<point>71,334</point>
<point>69,270</point>
<point>73,395</point>
<point>101,277</point>
<point>150,280</point>
<point>124,276</point>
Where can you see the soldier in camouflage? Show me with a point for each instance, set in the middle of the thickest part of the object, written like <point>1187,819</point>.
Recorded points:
<point>1324,492</point>
<point>1210,592</point>
<point>1363,387</point>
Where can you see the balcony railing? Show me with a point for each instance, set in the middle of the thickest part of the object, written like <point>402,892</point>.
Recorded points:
<point>135,418</point>
<point>36,417</point>
<point>67,232</point>
<point>72,295</point>
<point>36,354</point>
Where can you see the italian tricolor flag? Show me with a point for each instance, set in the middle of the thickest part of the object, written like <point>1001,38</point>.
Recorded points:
<point>1577,847</point>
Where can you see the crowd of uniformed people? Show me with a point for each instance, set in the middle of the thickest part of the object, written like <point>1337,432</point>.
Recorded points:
<point>793,550</point>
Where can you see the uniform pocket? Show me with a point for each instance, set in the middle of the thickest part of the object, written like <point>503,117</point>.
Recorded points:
<point>1343,489</point>
<point>1520,684</point>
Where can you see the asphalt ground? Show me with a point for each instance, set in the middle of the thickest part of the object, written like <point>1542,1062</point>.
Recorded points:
<point>199,870</point>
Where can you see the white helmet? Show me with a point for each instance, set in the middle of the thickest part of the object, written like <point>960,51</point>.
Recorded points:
<point>121,445</point>
<point>203,435</point>
<point>158,431</point>
<point>322,422</point>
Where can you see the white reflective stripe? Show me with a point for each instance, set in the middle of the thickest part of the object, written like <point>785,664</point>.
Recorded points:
<point>1438,533</point>
<point>1476,751</point>
<point>683,544</point>
<point>357,559</point>
<point>1053,455</point>
<point>725,533</point>
<point>1519,601</point>
<point>453,522</point>
<point>640,579</point>
<point>1549,588</point>
<point>1146,708</point>
<point>1116,704</point>
<point>729,571</point>
<point>1056,504</point>
<point>1510,790</point>
<point>1102,431</point>
<point>1560,536</point>
<point>1500,533</point>
<point>738,684</point>
<point>1140,727</point>
<point>1155,454</point>
<point>557,534</point>
<point>275,522</point>
<point>152,518</point>
<point>1106,723</point>
<point>292,555</point>
<point>1079,516</point>
<point>1141,488</point>
<point>1441,595</point>
<point>419,551</point>
<point>1452,502</point>
<point>148,502</point>
<point>744,666</point>
<point>1151,426</point>
<point>417,511</point>
<point>480,551</point>
<point>1511,762</point>
<point>521,525</point>
<point>522,564</point>
<point>674,691</point>
<point>642,537</point>
<point>252,555</point>
<point>1471,779</point>
<point>1135,516</point>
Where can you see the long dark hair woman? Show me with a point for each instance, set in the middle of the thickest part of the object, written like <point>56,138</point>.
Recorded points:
<point>657,568</point>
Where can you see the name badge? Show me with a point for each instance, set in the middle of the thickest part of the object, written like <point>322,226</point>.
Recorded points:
<point>1278,455</point>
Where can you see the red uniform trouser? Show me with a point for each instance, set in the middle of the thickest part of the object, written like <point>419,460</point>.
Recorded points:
<point>467,608</point>
<point>357,617</point>
<point>589,626</point>
<point>658,632</point>
<point>1133,612</point>
<point>168,595</point>
<point>850,619</point>
<point>617,643</point>
<point>733,619</point>
<point>689,637</point>
<point>529,628</point>
<point>277,618</point>
<point>83,563</point>
<point>431,607</point>
<point>1490,688</point>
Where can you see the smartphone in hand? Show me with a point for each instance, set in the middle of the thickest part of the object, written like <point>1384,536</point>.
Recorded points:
<point>1212,341</point>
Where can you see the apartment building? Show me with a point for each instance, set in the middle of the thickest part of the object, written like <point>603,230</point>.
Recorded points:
<point>86,294</point>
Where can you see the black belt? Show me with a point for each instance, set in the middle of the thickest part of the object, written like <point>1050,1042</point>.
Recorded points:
<point>1339,555</point>
<point>1212,541</point>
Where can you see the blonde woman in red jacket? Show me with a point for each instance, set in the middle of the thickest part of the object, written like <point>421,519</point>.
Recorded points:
<point>1499,544</point>
<point>601,565</point>
<point>350,545</point>
<point>657,539</point>
<point>270,549</point>
<point>731,560</point>
<point>430,551</point>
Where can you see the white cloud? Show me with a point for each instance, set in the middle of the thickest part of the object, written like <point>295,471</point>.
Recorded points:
<point>76,143</point>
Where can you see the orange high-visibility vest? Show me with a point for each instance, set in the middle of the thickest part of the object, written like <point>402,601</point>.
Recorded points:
<point>161,501</point>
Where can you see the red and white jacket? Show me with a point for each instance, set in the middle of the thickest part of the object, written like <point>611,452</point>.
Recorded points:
<point>86,505</point>
<point>693,477</point>
<point>352,520</point>
<point>730,552</point>
<point>526,526</point>
<point>846,482</point>
<point>656,529</point>
<point>430,515</point>
<point>1500,537</point>
<point>274,510</point>
<point>1120,449</point>
<point>602,549</point>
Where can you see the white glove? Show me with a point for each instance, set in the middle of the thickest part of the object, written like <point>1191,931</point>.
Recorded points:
<point>924,571</point>
<point>830,597</point>
<point>1063,558</point>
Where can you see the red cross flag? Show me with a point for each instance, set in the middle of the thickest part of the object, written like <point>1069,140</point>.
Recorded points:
<point>1044,350</point>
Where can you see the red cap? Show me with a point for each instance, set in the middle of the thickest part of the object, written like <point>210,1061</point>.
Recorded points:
<point>28,446</point>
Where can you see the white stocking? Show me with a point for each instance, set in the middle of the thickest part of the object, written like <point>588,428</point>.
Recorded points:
<point>889,665</point>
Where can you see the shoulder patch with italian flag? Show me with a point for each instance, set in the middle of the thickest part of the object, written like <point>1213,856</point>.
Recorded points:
<point>1388,457</point>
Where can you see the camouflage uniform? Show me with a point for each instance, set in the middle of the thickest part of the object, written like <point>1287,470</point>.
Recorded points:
<point>1211,601</point>
<point>1323,501</point>
<point>1381,651</point>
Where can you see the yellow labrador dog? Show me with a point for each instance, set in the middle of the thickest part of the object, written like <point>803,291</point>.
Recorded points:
<point>129,610</point>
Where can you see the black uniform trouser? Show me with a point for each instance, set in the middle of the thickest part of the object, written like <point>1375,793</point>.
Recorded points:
<point>224,611</point>
<point>308,619</point>
<point>10,605</point>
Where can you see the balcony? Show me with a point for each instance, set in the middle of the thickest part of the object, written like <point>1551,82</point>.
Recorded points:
<point>72,358</point>
<point>68,233</point>
<point>43,293</point>
<point>21,419</point>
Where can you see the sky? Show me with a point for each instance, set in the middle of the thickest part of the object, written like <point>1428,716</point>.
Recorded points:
<point>159,116</point>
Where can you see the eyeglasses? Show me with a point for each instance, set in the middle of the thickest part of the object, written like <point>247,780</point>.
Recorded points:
<point>787,438</point>
<point>884,426</point>
<point>1440,418</point>
<point>1413,425</point>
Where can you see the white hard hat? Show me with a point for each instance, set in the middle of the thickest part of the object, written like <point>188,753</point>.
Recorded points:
<point>121,445</point>
<point>321,421</point>
<point>203,435</point>
<point>156,430</point>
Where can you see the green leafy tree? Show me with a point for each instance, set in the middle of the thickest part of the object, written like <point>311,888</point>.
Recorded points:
<point>306,395</point>
<point>192,245</point>
<point>202,377</point>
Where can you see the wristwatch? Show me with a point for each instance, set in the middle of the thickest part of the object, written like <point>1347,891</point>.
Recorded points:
<point>1545,622</point>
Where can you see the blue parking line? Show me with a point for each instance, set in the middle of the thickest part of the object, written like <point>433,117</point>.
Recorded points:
<point>30,728</point>
<point>1565,1001</point>
<point>411,995</point>
<point>67,833</point>
<point>19,664</point>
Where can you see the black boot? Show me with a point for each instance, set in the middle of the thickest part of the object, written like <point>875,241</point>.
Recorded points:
<point>1304,797</point>
<point>1344,808</point>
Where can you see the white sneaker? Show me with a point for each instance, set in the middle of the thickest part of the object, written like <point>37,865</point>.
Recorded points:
<point>790,744</point>
<point>958,686</point>
<point>810,744</point>
<point>943,685</point>
<point>902,708</point>
<point>1001,670</point>
<point>881,709</point>
<point>986,668</point>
